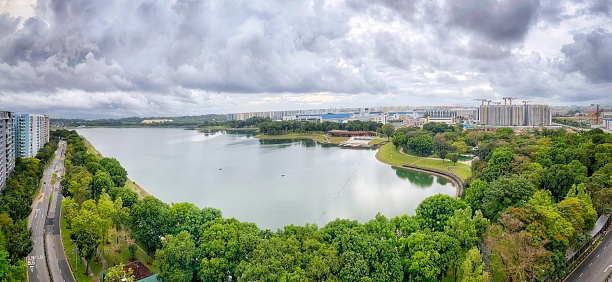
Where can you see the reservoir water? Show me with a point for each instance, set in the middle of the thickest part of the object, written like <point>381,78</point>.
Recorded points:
<point>271,183</point>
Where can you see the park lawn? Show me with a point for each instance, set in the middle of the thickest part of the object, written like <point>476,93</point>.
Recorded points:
<point>390,155</point>
<point>337,140</point>
<point>462,172</point>
<point>96,268</point>
<point>68,247</point>
<point>314,136</point>
<point>377,140</point>
<point>114,258</point>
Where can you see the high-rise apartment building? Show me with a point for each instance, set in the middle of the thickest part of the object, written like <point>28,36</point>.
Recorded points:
<point>31,134</point>
<point>7,149</point>
<point>515,115</point>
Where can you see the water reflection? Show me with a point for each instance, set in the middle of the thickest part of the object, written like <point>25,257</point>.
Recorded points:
<point>306,143</point>
<point>419,179</point>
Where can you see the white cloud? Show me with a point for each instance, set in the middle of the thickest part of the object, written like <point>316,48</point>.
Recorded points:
<point>125,58</point>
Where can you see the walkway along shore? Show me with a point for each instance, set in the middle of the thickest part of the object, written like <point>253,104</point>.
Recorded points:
<point>450,176</point>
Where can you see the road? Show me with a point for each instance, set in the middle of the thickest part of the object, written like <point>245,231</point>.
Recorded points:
<point>597,266</point>
<point>37,260</point>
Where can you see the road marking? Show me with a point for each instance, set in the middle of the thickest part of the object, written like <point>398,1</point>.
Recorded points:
<point>590,264</point>
<point>607,268</point>
<point>580,275</point>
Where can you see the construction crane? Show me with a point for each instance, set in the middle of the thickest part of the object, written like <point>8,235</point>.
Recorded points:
<point>482,101</point>
<point>509,99</point>
<point>488,102</point>
<point>525,102</point>
<point>497,103</point>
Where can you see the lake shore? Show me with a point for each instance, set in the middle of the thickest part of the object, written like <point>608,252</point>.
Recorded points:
<point>446,170</point>
<point>129,183</point>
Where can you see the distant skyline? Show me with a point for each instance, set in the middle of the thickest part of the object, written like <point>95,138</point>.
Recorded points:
<point>96,59</point>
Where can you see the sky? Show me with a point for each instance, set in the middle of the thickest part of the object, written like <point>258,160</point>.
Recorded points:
<point>116,58</point>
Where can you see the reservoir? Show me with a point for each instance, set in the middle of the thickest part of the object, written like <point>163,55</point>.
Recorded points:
<point>272,183</point>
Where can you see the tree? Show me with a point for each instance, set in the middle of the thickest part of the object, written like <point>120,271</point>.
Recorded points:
<point>128,196</point>
<point>69,210</point>
<point>421,144</point>
<point>5,262</point>
<point>443,154</point>
<point>224,243</point>
<point>117,173</point>
<point>399,140</point>
<point>437,127</point>
<point>132,249</point>
<point>474,193</point>
<point>150,221</point>
<point>78,183</point>
<point>472,268</point>
<point>388,130</point>
<point>87,242</point>
<point>18,239</point>
<point>101,182</point>
<point>177,258</point>
<point>117,274</point>
<point>558,179</point>
<point>434,211</point>
<point>440,143</point>
<point>505,192</point>
<point>454,157</point>
<point>186,216</point>
<point>498,165</point>
<point>463,227</point>
<point>518,255</point>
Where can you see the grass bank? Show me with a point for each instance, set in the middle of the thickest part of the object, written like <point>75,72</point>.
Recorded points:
<point>390,155</point>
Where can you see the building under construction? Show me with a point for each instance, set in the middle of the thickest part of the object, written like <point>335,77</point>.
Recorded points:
<point>515,115</point>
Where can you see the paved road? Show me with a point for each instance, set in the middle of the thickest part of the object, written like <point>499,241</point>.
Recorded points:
<point>36,260</point>
<point>60,271</point>
<point>598,265</point>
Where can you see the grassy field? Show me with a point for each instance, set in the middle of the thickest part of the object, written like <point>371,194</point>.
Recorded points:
<point>315,137</point>
<point>462,172</point>
<point>337,140</point>
<point>79,270</point>
<point>123,256</point>
<point>390,155</point>
<point>377,140</point>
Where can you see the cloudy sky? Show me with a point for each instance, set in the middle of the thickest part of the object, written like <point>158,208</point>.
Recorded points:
<point>116,58</point>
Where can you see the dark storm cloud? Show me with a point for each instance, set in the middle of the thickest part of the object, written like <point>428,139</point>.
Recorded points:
<point>501,21</point>
<point>601,7</point>
<point>237,46</point>
<point>379,8</point>
<point>591,55</point>
<point>148,57</point>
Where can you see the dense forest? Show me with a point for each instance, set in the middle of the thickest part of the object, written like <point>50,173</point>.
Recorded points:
<point>15,207</point>
<point>530,198</point>
<point>283,127</point>
<point>181,121</point>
